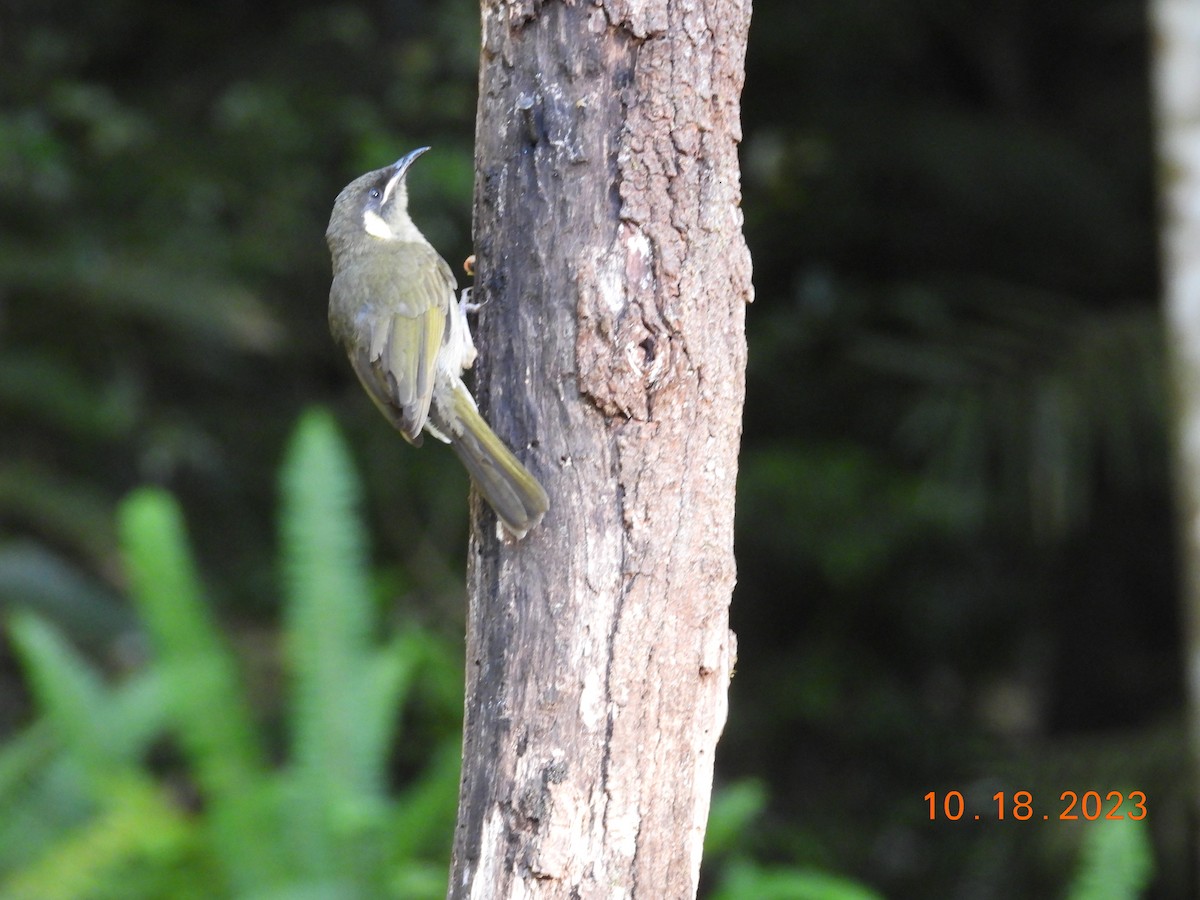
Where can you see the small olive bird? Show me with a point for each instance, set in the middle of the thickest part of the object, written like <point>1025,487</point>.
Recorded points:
<point>393,308</point>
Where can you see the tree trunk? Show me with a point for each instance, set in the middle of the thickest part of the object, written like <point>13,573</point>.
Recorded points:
<point>1176,62</point>
<point>615,277</point>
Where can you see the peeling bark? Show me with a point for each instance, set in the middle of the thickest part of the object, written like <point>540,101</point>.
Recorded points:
<point>615,276</point>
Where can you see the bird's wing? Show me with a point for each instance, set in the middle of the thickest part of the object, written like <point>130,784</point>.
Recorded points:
<point>408,306</point>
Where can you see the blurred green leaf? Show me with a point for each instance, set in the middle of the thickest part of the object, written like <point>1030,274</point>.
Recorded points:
<point>337,676</point>
<point>34,579</point>
<point>843,510</point>
<point>743,880</point>
<point>205,694</point>
<point>70,693</point>
<point>733,811</point>
<point>137,826</point>
<point>1117,862</point>
<point>74,513</point>
<point>52,390</point>
<point>205,697</point>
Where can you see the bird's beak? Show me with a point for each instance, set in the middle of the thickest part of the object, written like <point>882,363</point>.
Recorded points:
<point>400,169</point>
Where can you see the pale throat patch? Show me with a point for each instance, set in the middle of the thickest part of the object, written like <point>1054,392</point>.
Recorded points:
<point>401,228</point>
<point>376,226</point>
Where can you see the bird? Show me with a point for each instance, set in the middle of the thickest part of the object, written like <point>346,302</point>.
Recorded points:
<point>394,310</point>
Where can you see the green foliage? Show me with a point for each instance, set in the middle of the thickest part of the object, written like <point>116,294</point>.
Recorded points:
<point>77,808</point>
<point>767,883</point>
<point>134,833</point>
<point>83,814</point>
<point>1023,401</point>
<point>736,809</point>
<point>1117,862</point>
<point>733,809</point>
<point>954,483</point>
<point>213,721</point>
<point>208,708</point>
<point>845,512</point>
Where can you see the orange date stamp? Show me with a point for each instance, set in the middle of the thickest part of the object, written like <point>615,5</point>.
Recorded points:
<point>1019,806</point>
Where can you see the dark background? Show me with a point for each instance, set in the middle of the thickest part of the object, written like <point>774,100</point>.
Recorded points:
<point>955,543</point>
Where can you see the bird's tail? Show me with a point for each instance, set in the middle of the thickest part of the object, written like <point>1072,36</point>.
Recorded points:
<point>505,483</point>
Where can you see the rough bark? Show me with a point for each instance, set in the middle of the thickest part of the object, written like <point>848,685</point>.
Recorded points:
<point>1176,33</point>
<point>615,277</point>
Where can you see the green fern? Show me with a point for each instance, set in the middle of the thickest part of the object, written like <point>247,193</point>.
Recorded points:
<point>329,614</point>
<point>207,702</point>
<point>205,694</point>
<point>137,825</point>
<point>82,817</point>
<point>745,879</point>
<point>81,757</point>
<point>732,813</point>
<point>344,693</point>
<point>70,693</point>
<point>1116,863</point>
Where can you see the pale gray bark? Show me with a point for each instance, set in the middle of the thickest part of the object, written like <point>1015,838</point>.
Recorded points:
<point>615,277</point>
<point>1176,43</point>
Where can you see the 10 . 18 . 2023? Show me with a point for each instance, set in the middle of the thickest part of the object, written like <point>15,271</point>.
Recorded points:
<point>1020,806</point>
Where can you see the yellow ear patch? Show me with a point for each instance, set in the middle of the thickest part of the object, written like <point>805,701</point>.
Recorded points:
<point>376,226</point>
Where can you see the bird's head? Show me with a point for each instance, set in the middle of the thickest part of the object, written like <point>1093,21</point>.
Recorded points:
<point>374,207</point>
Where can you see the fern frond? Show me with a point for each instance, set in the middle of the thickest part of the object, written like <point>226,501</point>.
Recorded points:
<point>138,823</point>
<point>207,702</point>
<point>329,608</point>
<point>1116,863</point>
<point>337,770</point>
<point>68,691</point>
<point>206,698</point>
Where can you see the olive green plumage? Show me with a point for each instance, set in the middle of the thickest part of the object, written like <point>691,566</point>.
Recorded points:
<point>392,307</point>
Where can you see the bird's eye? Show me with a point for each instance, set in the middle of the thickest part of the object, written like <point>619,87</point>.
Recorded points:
<point>376,193</point>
